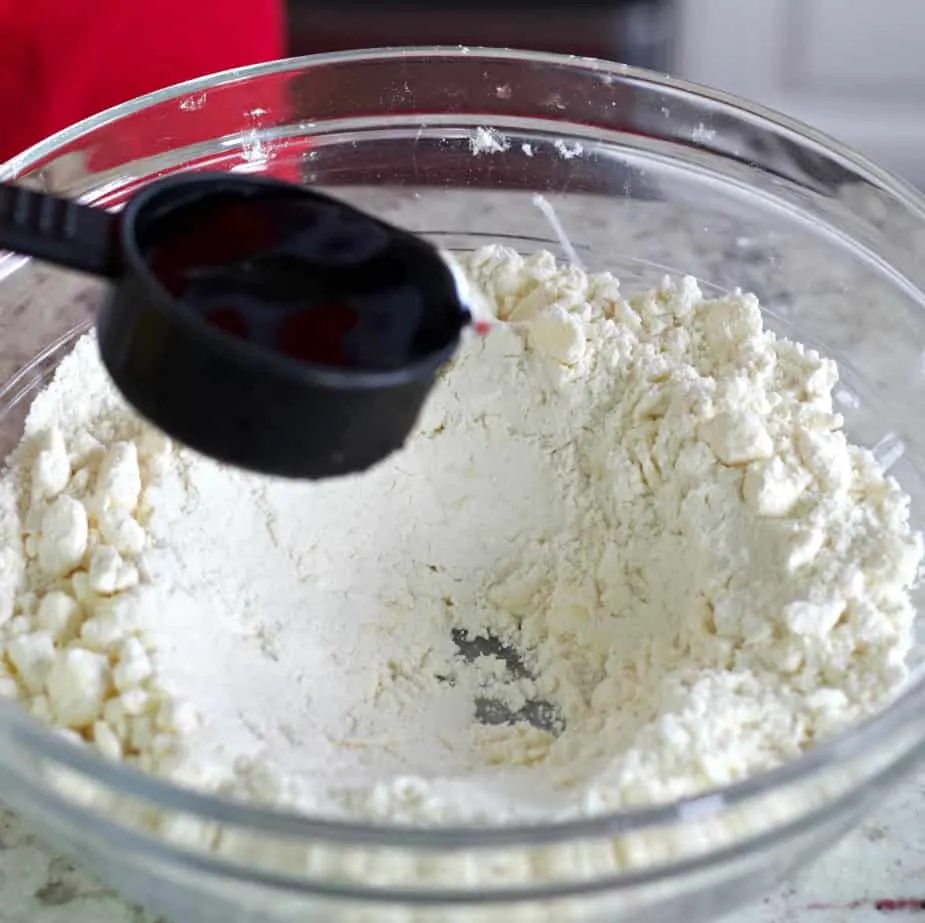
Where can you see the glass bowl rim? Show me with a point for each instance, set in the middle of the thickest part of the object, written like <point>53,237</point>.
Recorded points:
<point>847,745</point>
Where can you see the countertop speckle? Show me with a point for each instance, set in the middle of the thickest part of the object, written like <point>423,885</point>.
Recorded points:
<point>37,885</point>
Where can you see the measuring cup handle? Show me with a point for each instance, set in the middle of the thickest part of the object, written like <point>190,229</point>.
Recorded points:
<point>58,230</point>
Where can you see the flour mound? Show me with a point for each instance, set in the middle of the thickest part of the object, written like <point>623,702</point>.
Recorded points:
<point>628,556</point>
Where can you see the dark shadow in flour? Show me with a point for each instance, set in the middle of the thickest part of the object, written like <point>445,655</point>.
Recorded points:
<point>491,711</point>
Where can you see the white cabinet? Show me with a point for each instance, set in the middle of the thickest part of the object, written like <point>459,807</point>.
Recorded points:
<point>869,48</point>
<point>853,69</point>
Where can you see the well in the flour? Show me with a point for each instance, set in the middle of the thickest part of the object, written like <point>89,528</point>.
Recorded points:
<point>629,556</point>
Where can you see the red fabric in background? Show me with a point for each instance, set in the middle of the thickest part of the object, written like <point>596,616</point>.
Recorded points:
<point>63,60</point>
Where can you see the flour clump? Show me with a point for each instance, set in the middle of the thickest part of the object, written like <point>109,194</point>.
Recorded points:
<point>628,556</point>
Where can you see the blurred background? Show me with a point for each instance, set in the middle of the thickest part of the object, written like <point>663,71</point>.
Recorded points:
<point>855,70</point>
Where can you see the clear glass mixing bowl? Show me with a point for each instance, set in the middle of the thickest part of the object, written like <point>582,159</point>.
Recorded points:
<point>646,175</point>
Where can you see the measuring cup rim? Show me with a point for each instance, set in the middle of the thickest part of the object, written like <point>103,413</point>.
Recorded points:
<point>307,373</point>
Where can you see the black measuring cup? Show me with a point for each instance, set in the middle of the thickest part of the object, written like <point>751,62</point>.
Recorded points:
<point>264,324</point>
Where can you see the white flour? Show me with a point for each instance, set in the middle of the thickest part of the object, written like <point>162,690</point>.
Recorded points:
<point>647,503</point>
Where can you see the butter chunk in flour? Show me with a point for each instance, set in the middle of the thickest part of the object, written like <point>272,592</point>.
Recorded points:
<point>629,555</point>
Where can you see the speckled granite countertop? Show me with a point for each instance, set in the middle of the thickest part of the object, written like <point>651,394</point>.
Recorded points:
<point>878,871</point>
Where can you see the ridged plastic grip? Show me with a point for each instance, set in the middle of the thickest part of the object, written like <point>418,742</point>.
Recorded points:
<point>58,230</point>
